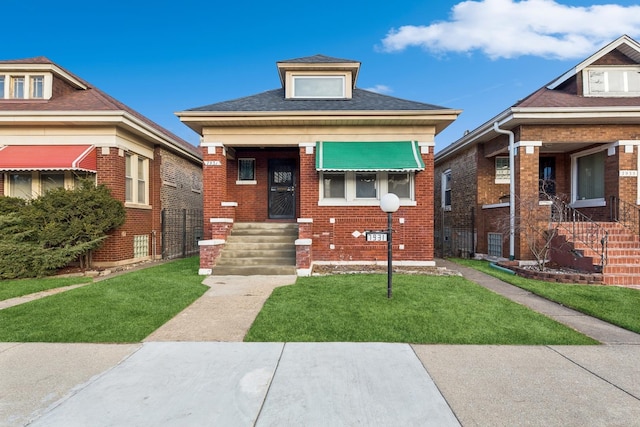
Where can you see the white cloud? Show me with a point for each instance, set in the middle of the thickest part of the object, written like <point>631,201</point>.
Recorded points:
<point>507,29</point>
<point>379,89</point>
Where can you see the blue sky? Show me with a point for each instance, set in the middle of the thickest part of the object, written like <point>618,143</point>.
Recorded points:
<point>161,56</point>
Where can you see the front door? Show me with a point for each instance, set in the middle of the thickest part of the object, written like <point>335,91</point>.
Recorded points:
<point>282,189</point>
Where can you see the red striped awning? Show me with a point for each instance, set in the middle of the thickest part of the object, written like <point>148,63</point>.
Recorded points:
<point>48,157</point>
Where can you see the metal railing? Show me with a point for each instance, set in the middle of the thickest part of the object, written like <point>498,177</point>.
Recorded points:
<point>625,213</point>
<point>582,229</point>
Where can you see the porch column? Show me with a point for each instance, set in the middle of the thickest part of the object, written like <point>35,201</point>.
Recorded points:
<point>218,214</point>
<point>527,175</point>
<point>621,172</point>
<point>308,190</point>
<point>425,197</point>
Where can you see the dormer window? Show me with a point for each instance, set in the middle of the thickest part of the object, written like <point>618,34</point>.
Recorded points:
<point>25,85</point>
<point>612,82</point>
<point>319,86</point>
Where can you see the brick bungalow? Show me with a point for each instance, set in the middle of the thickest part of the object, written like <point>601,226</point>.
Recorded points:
<point>315,156</point>
<point>56,127</point>
<point>576,139</point>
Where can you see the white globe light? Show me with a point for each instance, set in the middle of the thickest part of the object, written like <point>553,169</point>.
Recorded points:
<point>389,203</point>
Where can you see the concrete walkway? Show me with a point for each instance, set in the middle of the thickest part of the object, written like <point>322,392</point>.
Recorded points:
<point>163,382</point>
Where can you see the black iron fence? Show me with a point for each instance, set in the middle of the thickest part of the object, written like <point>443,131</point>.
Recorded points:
<point>181,231</point>
<point>454,233</point>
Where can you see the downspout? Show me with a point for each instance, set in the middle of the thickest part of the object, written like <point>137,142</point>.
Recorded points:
<point>512,190</point>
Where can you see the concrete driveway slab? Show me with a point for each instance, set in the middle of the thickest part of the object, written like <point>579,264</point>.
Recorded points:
<point>514,385</point>
<point>349,384</point>
<point>34,376</point>
<point>175,384</point>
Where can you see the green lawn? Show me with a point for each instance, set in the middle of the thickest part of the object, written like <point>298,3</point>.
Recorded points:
<point>424,309</point>
<point>125,308</point>
<point>17,288</point>
<point>613,304</point>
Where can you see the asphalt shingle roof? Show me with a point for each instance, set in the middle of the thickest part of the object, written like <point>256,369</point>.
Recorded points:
<point>274,100</point>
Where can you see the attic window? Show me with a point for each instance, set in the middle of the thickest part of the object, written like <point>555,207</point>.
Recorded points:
<point>319,87</point>
<point>612,82</point>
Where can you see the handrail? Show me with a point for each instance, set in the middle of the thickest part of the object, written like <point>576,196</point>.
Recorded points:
<point>582,228</point>
<point>625,213</point>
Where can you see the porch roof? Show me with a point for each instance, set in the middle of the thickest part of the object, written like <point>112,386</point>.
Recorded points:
<point>48,157</point>
<point>368,156</point>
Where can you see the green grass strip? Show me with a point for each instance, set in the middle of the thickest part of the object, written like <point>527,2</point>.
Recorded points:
<point>424,309</point>
<point>17,288</point>
<point>122,309</point>
<point>614,304</point>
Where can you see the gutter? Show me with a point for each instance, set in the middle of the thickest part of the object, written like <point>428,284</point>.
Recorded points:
<point>512,189</point>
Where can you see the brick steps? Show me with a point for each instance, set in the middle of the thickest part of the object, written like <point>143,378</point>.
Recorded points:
<point>259,249</point>
<point>623,255</point>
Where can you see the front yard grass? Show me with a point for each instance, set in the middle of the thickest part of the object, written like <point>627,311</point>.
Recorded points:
<point>17,288</point>
<point>614,304</point>
<point>121,309</point>
<point>423,309</point>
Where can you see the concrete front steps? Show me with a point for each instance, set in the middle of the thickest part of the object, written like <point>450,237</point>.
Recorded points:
<point>623,255</point>
<point>259,249</point>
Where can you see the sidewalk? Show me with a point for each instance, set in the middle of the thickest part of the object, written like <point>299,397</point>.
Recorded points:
<point>162,382</point>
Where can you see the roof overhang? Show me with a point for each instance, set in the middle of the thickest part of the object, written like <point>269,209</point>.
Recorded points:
<point>513,117</point>
<point>42,68</point>
<point>197,120</point>
<point>118,118</point>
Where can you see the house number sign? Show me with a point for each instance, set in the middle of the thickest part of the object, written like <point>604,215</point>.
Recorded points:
<point>212,163</point>
<point>376,236</point>
<point>628,173</point>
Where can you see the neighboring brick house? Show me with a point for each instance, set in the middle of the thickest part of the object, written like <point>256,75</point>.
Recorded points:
<point>320,153</point>
<point>55,128</point>
<point>579,135</point>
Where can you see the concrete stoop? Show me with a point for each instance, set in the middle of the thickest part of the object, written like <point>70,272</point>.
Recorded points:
<point>259,249</point>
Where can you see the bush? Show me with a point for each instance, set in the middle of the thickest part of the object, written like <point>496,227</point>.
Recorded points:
<point>49,232</point>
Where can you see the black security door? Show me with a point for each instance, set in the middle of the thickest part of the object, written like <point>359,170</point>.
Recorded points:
<point>282,189</point>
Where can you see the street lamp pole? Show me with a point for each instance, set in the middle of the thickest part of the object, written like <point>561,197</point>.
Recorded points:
<point>389,203</point>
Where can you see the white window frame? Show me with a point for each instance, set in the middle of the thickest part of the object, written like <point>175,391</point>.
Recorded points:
<point>3,83</point>
<point>350,199</point>
<point>253,181</point>
<point>502,178</point>
<point>15,82</point>
<point>133,199</point>
<point>37,187</point>
<point>604,76</point>
<point>583,203</point>
<point>444,183</point>
<point>296,78</point>
<point>36,86</point>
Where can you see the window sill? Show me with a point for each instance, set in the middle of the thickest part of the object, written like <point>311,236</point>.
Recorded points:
<point>495,205</point>
<point>137,206</point>
<point>589,203</point>
<point>246,182</point>
<point>364,202</point>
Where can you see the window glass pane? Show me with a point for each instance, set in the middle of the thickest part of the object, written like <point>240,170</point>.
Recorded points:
<point>246,169</point>
<point>128,178</point>
<point>503,172</point>
<point>20,185</point>
<point>18,87</point>
<point>366,186</point>
<point>334,186</point>
<point>314,87</point>
<point>400,185</point>
<point>591,176</point>
<point>37,86</point>
<point>51,181</point>
<point>141,181</point>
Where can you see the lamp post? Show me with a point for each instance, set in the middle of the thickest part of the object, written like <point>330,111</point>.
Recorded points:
<point>389,203</point>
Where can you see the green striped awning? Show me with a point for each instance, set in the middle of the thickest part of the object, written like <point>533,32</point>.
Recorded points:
<point>368,156</point>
